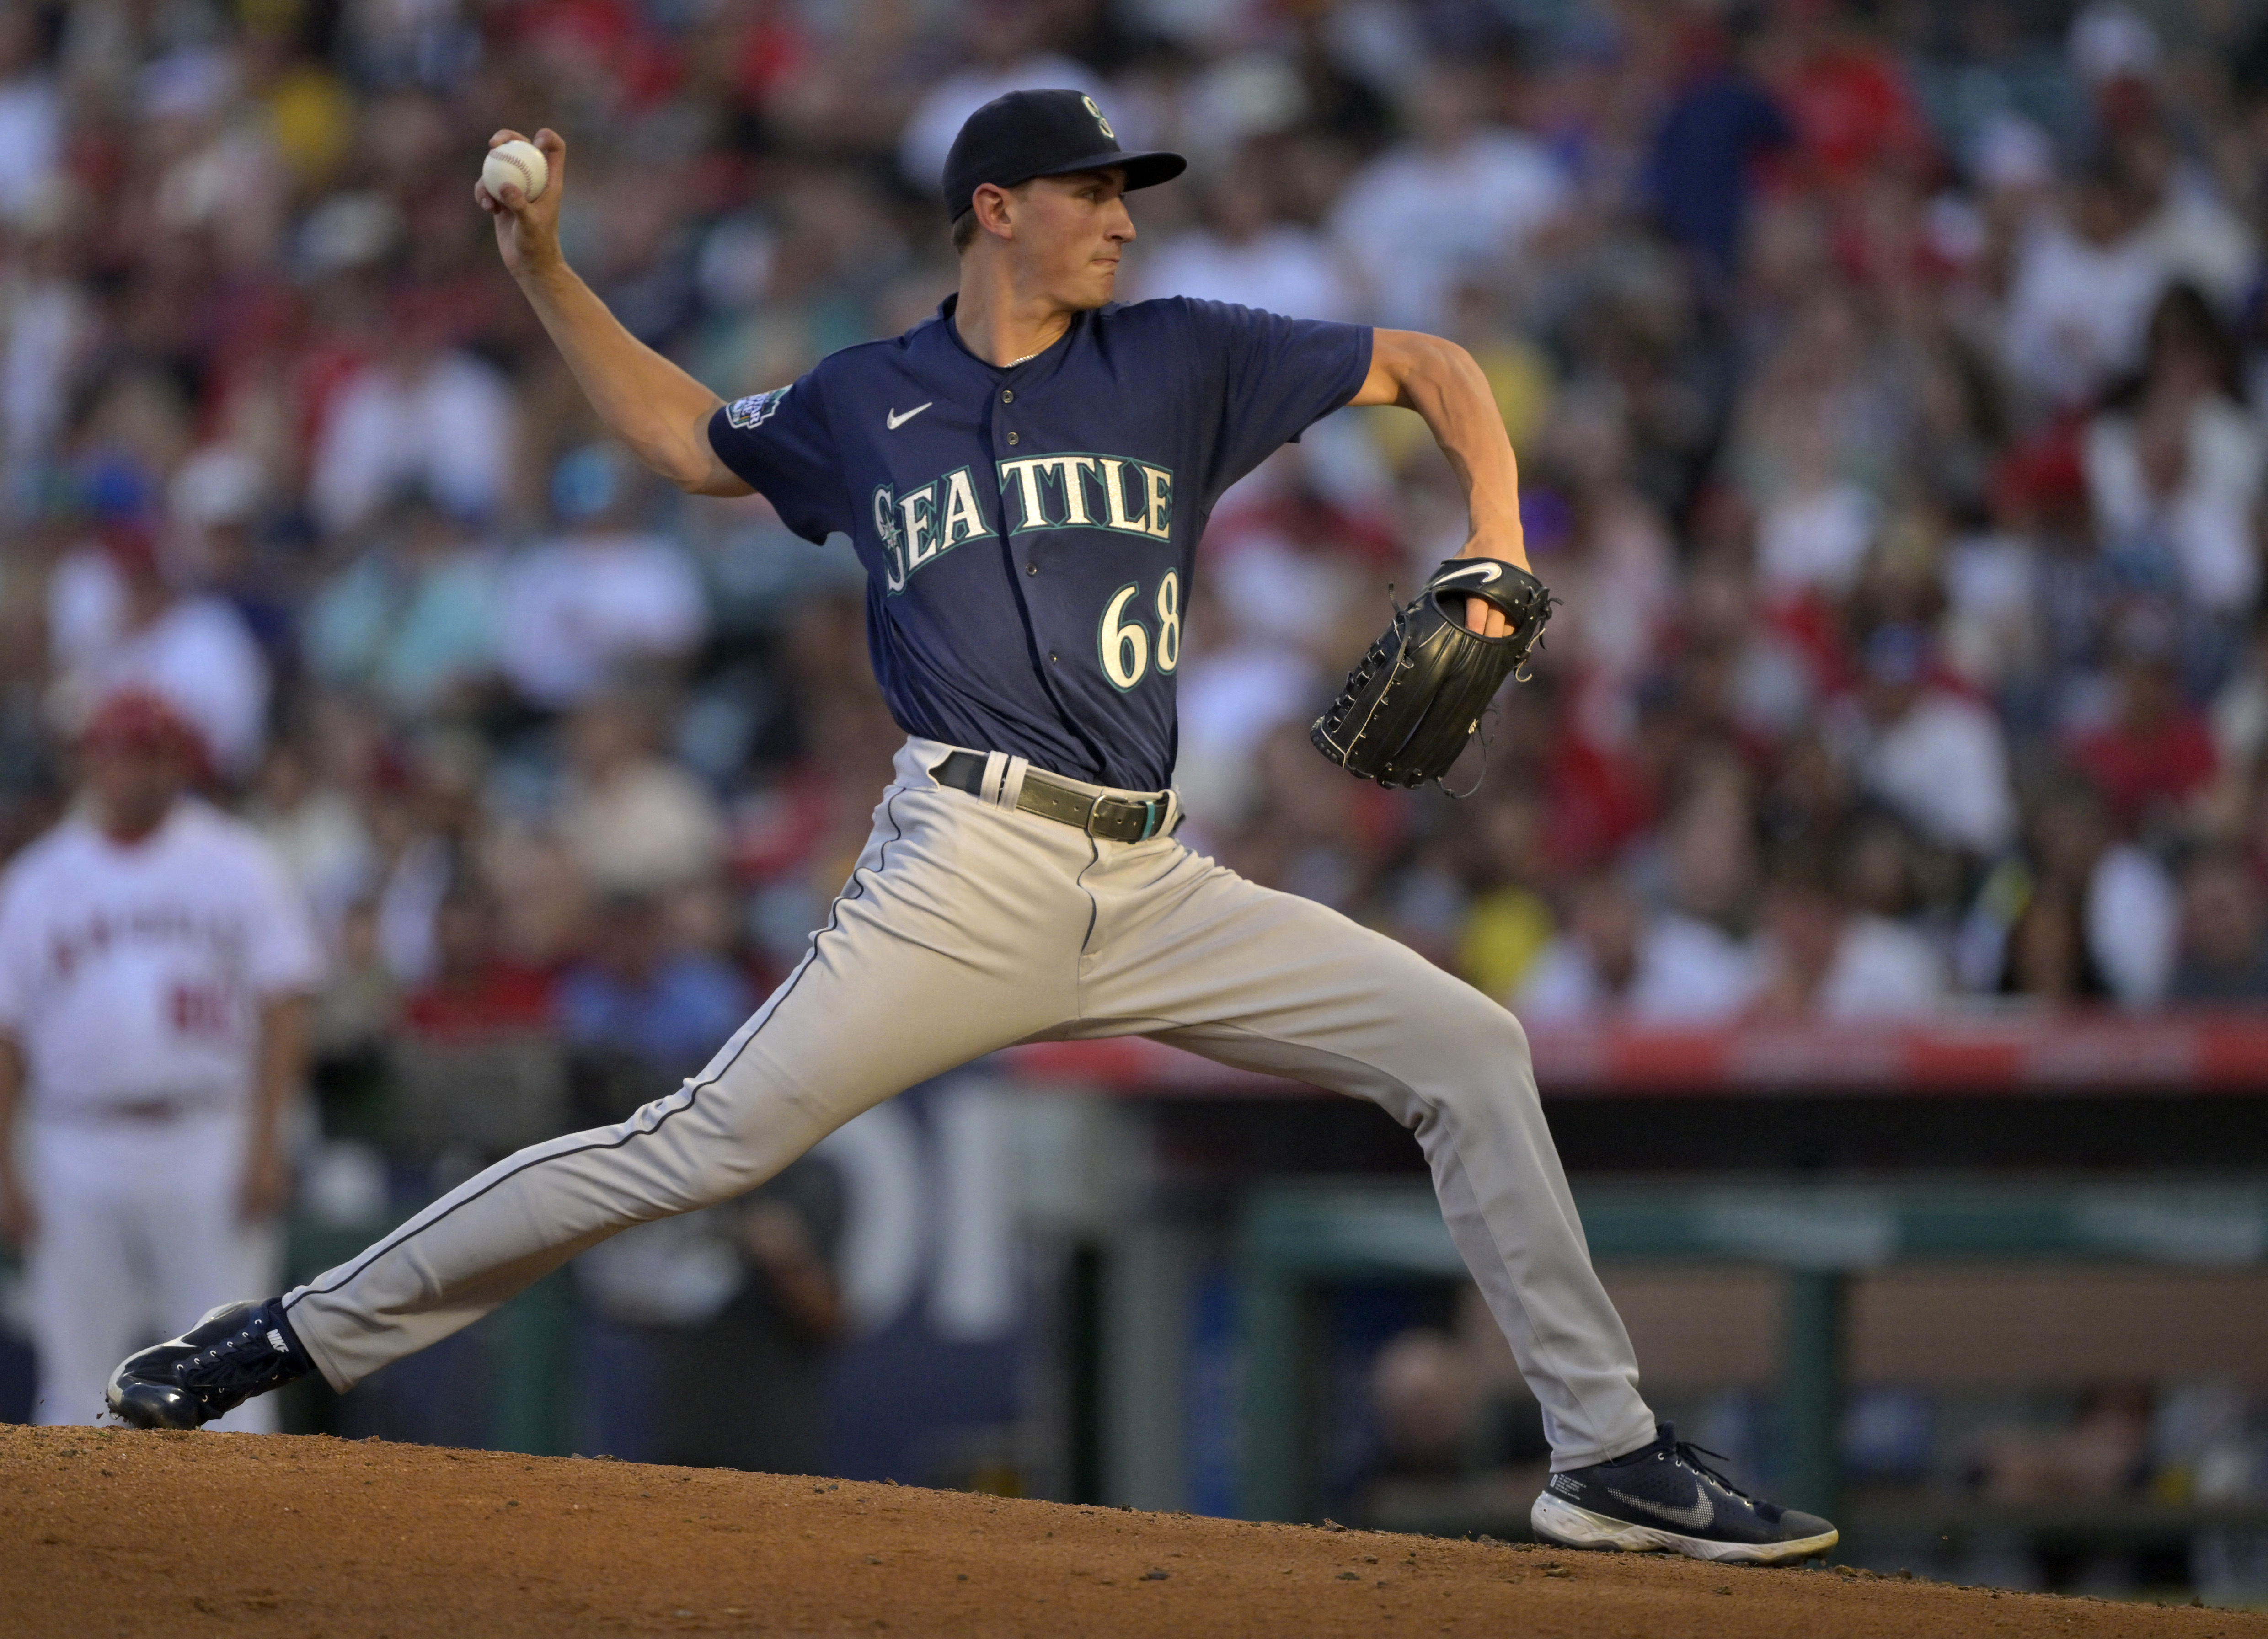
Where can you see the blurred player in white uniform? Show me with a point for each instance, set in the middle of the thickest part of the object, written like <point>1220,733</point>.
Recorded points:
<point>155,966</point>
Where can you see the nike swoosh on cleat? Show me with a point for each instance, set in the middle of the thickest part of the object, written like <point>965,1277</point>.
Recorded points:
<point>895,421</point>
<point>1486,571</point>
<point>1693,1516</point>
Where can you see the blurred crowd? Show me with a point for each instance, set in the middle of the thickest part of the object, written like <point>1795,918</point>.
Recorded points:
<point>1881,377</point>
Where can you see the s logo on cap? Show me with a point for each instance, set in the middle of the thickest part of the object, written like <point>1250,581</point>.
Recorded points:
<point>1098,120</point>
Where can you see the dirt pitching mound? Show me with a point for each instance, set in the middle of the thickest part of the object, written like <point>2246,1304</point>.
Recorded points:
<point>106,1532</point>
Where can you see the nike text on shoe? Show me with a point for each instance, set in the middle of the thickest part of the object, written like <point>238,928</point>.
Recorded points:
<point>237,1352</point>
<point>1663,1498</point>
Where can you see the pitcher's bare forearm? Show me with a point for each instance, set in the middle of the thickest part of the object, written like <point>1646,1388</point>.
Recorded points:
<point>1441,382</point>
<point>651,404</point>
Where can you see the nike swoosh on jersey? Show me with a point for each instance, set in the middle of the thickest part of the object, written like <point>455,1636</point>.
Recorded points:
<point>1486,572</point>
<point>1693,1516</point>
<point>895,421</point>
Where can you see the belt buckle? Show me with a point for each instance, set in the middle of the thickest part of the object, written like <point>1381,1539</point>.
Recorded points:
<point>1106,808</point>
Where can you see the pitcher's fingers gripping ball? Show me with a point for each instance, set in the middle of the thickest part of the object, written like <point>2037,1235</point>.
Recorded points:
<point>1414,700</point>
<point>516,163</point>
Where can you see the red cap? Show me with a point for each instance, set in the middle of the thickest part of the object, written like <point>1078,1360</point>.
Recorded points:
<point>139,719</point>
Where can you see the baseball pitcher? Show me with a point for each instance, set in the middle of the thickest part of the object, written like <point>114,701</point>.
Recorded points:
<point>1026,476</point>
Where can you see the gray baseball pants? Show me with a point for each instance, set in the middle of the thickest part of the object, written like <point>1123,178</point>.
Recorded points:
<point>966,927</point>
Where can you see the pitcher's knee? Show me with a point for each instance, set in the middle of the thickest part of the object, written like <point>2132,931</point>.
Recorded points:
<point>679,1153</point>
<point>1479,1062</point>
<point>1478,1034</point>
<point>743,1136</point>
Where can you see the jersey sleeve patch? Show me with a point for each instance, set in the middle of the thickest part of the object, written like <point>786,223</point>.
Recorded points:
<point>750,413</point>
<point>780,445</point>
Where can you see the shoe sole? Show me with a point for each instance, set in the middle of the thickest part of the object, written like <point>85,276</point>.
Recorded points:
<point>155,1409</point>
<point>1557,1520</point>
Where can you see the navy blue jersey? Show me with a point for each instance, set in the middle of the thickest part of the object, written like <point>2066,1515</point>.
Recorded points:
<point>1027,533</point>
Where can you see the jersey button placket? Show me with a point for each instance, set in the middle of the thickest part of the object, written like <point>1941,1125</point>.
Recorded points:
<point>1011,439</point>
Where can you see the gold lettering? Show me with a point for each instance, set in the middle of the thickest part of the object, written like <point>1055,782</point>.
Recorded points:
<point>1072,469</point>
<point>919,510</point>
<point>1026,476</point>
<point>964,519</point>
<point>1158,490</point>
<point>1114,495</point>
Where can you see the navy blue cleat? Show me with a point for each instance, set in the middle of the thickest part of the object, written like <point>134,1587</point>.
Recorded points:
<point>237,1352</point>
<point>1663,1498</point>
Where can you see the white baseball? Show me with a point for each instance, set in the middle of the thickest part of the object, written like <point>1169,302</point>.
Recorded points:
<point>518,163</point>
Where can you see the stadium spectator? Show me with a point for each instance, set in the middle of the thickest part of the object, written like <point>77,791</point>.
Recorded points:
<point>642,995</point>
<point>1701,167</point>
<point>317,827</point>
<point>31,116</point>
<point>1696,963</point>
<point>1425,1400</point>
<point>776,1329</point>
<point>2085,281</point>
<point>411,876</point>
<point>1008,45</point>
<point>2174,465</point>
<point>2047,958</point>
<point>118,624</point>
<point>1246,253</point>
<point>634,820</point>
<point>50,327</point>
<point>1505,921</point>
<point>476,989</point>
<point>2103,1452</point>
<point>410,621</point>
<point>2130,906</point>
<point>746,1293</point>
<point>2156,754</point>
<point>1459,201</point>
<point>2224,948</point>
<point>218,503</point>
<point>1847,96</point>
<point>577,612</point>
<point>420,414</point>
<point>356,1017</point>
<point>1809,443</point>
<point>1587,970</point>
<point>1823,959</point>
<point>1932,754</point>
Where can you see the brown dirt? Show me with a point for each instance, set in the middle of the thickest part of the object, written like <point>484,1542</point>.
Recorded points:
<point>108,1532</point>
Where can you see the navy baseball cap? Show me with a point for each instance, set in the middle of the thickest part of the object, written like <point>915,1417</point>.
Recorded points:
<point>1026,134</point>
